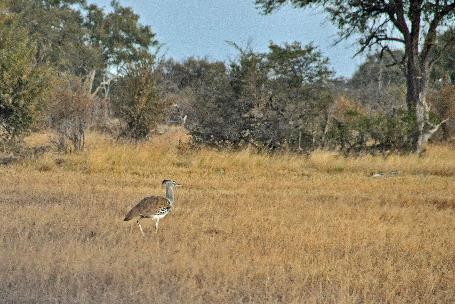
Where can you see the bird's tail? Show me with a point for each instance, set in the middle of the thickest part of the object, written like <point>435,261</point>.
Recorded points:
<point>132,213</point>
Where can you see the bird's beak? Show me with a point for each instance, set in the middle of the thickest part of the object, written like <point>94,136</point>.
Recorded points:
<point>178,185</point>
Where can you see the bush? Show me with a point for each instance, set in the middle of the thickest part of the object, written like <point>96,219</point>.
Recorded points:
<point>136,101</point>
<point>349,126</point>
<point>443,106</point>
<point>353,130</point>
<point>70,109</point>
<point>274,100</point>
<point>22,84</point>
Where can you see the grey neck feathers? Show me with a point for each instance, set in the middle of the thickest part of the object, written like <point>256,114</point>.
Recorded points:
<point>170,194</point>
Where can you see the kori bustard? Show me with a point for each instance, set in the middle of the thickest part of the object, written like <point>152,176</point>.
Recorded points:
<point>154,207</point>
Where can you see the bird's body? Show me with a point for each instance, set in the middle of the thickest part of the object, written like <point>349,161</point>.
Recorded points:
<point>154,207</point>
<point>149,207</point>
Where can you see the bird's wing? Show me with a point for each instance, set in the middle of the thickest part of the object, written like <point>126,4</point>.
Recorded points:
<point>147,207</point>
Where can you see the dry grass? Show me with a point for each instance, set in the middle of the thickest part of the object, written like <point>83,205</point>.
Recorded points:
<point>246,228</point>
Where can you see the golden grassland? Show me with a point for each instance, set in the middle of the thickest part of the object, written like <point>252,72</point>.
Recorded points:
<point>247,227</point>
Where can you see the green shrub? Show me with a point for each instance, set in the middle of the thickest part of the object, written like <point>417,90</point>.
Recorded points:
<point>136,101</point>
<point>22,83</point>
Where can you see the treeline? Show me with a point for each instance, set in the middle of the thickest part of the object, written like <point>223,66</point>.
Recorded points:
<point>70,66</point>
<point>288,98</point>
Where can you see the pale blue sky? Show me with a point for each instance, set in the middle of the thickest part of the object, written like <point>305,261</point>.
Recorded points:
<point>201,27</point>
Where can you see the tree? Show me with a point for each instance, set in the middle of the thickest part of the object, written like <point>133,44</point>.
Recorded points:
<point>136,100</point>
<point>379,84</point>
<point>216,117</point>
<point>81,40</point>
<point>273,100</point>
<point>56,29</point>
<point>379,71</point>
<point>413,24</point>
<point>22,84</point>
<point>295,98</point>
<point>118,35</point>
<point>297,64</point>
<point>78,38</point>
<point>444,69</point>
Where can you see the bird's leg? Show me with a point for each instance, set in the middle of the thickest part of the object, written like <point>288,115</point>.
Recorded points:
<point>140,227</point>
<point>156,226</point>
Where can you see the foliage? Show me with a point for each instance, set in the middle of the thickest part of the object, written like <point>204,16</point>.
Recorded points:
<point>442,101</point>
<point>270,100</point>
<point>444,57</point>
<point>79,41</point>
<point>379,70</point>
<point>77,38</point>
<point>379,83</point>
<point>136,101</point>
<point>70,110</point>
<point>292,109</point>
<point>118,35</point>
<point>56,29</point>
<point>297,65</point>
<point>411,24</point>
<point>22,83</point>
<point>353,130</point>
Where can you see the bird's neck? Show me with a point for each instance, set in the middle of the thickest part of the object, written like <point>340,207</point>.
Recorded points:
<point>170,195</point>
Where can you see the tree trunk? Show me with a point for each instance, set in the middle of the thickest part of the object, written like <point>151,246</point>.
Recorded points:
<point>414,94</point>
<point>445,132</point>
<point>422,118</point>
<point>417,78</point>
<point>417,103</point>
<point>417,75</point>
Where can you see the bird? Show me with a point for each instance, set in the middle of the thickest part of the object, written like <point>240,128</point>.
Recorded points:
<point>154,207</point>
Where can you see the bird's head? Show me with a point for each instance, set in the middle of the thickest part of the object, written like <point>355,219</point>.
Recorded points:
<point>170,183</point>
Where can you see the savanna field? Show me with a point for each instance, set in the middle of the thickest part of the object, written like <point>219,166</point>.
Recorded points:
<point>246,228</point>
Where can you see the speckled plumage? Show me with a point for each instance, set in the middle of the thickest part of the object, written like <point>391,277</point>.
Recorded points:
<point>154,207</point>
<point>148,207</point>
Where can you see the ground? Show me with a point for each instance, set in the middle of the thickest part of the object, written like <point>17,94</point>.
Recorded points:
<point>247,227</point>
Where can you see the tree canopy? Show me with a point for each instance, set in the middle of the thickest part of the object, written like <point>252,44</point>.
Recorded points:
<point>78,38</point>
<point>413,24</point>
<point>67,38</point>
